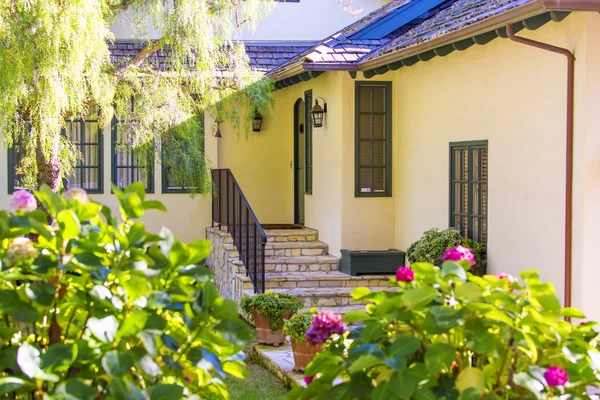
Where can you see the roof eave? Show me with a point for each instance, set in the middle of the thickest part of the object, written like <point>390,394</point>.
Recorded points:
<point>515,15</point>
<point>571,5</point>
<point>510,17</point>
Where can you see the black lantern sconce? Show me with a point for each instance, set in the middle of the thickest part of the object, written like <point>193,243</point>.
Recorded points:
<point>318,113</point>
<point>257,122</point>
<point>218,133</point>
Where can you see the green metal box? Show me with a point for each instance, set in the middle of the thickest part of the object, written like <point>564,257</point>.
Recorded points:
<point>368,262</point>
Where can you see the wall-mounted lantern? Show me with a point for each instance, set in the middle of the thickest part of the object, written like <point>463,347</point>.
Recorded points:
<point>257,122</point>
<point>218,133</point>
<point>318,113</point>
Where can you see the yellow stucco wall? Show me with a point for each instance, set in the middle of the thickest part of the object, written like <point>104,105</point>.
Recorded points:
<point>506,93</point>
<point>513,96</point>
<point>187,217</point>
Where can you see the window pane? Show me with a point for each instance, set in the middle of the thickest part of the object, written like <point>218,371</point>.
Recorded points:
<point>365,99</point>
<point>92,181</point>
<point>464,226</point>
<point>484,229</point>
<point>366,154</point>
<point>379,99</point>
<point>464,209</point>
<point>457,169</point>
<point>465,165</point>
<point>457,202</point>
<point>365,127</point>
<point>379,126</point>
<point>484,164</point>
<point>483,199</point>
<point>476,233</point>
<point>476,165</point>
<point>476,199</point>
<point>379,153</point>
<point>379,179</point>
<point>366,180</point>
<point>91,132</point>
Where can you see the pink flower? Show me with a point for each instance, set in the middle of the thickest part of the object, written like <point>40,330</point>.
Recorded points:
<point>502,275</point>
<point>324,325</point>
<point>556,376</point>
<point>405,274</point>
<point>22,200</point>
<point>459,253</point>
<point>309,379</point>
<point>77,194</point>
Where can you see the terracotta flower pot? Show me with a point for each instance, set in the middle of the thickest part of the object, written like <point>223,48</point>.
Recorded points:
<point>263,329</point>
<point>303,354</point>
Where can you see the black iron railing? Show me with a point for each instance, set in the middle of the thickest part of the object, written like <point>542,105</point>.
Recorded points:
<point>231,209</point>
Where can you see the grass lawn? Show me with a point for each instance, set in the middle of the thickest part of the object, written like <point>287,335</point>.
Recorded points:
<point>260,385</point>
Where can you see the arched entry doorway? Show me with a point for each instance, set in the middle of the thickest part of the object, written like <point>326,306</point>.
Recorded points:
<point>299,159</point>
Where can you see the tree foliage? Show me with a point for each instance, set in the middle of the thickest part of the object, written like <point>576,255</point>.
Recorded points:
<point>55,64</point>
<point>100,308</point>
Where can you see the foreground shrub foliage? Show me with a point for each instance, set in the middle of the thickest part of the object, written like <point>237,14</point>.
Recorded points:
<point>97,307</point>
<point>448,334</point>
<point>434,242</point>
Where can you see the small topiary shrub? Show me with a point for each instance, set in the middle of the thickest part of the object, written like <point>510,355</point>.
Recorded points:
<point>99,308</point>
<point>448,334</point>
<point>273,306</point>
<point>298,324</point>
<point>434,242</point>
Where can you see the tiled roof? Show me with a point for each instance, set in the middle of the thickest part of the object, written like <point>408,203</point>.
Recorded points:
<point>459,15</point>
<point>263,55</point>
<point>267,55</point>
<point>340,48</point>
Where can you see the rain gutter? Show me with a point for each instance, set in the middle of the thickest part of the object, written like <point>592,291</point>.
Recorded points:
<point>569,150</point>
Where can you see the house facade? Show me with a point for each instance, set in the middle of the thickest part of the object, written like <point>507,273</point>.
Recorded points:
<point>105,164</point>
<point>436,118</point>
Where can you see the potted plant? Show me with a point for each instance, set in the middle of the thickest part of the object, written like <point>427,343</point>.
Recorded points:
<point>268,311</point>
<point>296,328</point>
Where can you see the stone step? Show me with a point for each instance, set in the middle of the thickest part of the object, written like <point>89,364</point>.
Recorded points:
<point>277,280</point>
<point>292,264</point>
<point>324,296</point>
<point>292,235</point>
<point>286,249</point>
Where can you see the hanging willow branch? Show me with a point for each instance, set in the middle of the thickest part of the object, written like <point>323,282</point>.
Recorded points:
<point>55,62</point>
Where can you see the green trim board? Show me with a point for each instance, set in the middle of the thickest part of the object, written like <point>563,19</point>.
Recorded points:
<point>468,191</point>
<point>373,138</point>
<point>308,137</point>
<point>12,160</point>
<point>135,171</point>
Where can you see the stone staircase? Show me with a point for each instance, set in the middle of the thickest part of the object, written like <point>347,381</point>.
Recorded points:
<point>296,262</point>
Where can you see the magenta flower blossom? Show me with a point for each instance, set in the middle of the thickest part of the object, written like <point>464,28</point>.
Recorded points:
<point>556,376</point>
<point>77,194</point>
<point>22,200</point>
<point>405,274</point>
<point>324,325</point>
<point>502,275</point>
<point>459,253</point>
<point>309,379</point>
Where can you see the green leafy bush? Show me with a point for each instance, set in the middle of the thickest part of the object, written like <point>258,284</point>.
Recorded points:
<point>272,305</point>
<point>99,308</point>
<point>297,326</point>
<point>434,242</point>
<point>448,334</point>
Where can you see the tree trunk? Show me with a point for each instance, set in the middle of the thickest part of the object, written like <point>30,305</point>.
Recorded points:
<point>48,167</point>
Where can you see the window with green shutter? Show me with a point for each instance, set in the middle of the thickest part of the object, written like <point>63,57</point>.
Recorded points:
<point>469,188</point>
<point>373,139</point>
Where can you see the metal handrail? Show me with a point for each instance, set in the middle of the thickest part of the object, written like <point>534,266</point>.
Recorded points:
<point>230,208</point>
